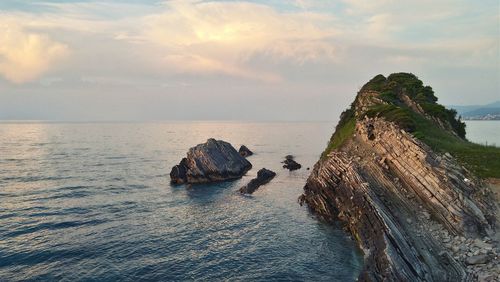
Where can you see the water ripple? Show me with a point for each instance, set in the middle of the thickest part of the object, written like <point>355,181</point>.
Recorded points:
<point>52,226</point>
<point>85,202</point>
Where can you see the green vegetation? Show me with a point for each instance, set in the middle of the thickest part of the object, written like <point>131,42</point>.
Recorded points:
<point>395,84</point>
<point>376,84</point>
<point>449,115</point>
<point>343,130</point>
<point>482,160</point>
<point>389,96</point>
<point>403,117</point>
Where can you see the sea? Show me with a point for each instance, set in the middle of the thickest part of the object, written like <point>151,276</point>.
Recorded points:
<point>485,132</point>
<point>93,202</point>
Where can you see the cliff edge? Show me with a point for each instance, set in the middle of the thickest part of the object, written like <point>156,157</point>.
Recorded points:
<point>400,174</point>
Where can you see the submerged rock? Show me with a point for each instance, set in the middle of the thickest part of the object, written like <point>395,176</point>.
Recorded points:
<point>244,151</point>
<point>214,160</point>
<point>290,163</point>
<point>263,176</point>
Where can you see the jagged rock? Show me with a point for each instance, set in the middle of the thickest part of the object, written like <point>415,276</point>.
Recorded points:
<point>376,209</point>
<point>263,176</point>
<point>211,161</point>
<point>290,163</point>
<point>399,224</point>
<point>244,151</point>
<point>477,259</point>
<point>178,174</point>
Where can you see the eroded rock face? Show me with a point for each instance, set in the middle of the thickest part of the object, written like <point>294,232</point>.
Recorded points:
<point>263,176</point>
<point>417,214</point>
<point>244,151</point>
<point>178,174</point>
<point>290,163</point>
<point>406,205</point>
<point>386,185</point>
<point>214,160</point>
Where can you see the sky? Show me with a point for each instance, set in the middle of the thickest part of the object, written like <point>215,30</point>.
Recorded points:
<point>296,60</point>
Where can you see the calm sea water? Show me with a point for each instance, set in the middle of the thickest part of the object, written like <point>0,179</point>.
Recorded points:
<point>93,202</point>
<point>484,131</point>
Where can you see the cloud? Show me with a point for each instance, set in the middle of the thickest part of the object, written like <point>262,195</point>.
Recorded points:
<point>167,57</point>
<point>222,37</point>
<point>25,56</point>
<point>264,42</point>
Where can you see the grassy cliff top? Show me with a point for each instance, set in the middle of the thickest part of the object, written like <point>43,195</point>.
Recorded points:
<point>403,99</point>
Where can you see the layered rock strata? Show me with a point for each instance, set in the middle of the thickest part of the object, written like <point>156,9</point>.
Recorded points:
<point>214,160</point>
<point>389,189</point>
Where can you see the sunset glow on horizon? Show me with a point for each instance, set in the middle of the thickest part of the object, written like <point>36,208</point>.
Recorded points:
<point>157,59</point>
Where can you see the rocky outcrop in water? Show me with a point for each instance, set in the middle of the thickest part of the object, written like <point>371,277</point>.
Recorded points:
<point>178,174</point>
<point>214,160</point>
<point>244,151</point>
<point>407,206</point>
<point>263,176</point>
<point>290,163</point>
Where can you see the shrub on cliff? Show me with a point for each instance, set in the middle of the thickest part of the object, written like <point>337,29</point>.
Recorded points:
<point>394,107</point>
<point>397,84</point>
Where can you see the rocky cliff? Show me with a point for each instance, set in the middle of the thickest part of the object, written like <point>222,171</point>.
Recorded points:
<point>416,212</point>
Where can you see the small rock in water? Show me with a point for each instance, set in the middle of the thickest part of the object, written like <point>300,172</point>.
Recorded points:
<point>263,176</point>
<point>244,151</point>
<point>290,163</point>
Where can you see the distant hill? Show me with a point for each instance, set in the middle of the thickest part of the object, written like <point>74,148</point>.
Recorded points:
<point>483,112</point>
<point>479,112</point>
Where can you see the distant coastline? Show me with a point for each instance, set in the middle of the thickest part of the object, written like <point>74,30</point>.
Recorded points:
<point>484,117</point>
<point>479,112</point>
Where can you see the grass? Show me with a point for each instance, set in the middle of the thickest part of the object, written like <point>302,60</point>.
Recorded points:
<point>484,161</point>
<point>439,111</point>
<point>341,134</point>
<point>401,116</point>
<point>389,96</point>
